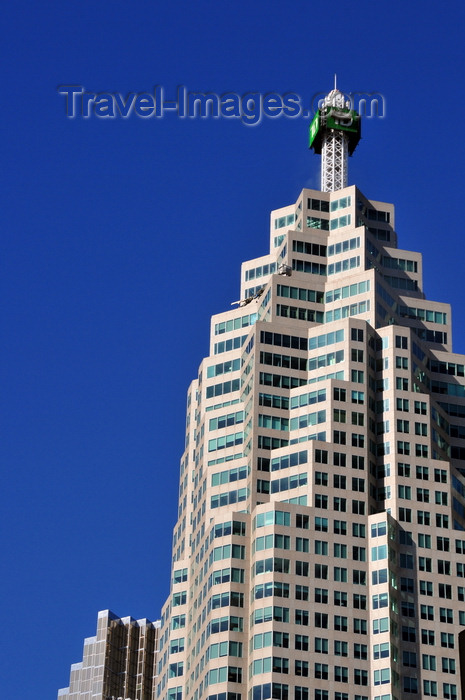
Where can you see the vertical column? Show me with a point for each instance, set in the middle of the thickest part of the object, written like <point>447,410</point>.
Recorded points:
<point>334,166</point>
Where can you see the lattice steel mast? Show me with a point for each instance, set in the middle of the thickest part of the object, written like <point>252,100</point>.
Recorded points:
<point>334,133</point>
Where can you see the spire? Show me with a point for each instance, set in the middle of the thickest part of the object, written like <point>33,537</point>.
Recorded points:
<point>334,133</point>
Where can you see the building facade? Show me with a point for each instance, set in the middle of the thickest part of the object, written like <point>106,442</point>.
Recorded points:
<point>319,548</point>
<point>119,662</point>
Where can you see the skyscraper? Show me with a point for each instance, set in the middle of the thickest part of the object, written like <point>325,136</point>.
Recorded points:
<point>318,551</point>
<point>120,661</point>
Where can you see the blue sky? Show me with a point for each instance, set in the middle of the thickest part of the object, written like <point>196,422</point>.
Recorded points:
<point>121,238</point>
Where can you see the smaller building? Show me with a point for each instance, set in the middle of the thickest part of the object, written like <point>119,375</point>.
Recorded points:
<point>118,663</point>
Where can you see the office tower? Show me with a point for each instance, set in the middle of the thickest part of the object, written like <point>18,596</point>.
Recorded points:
<point>119,662</point>
<point>318,551</point>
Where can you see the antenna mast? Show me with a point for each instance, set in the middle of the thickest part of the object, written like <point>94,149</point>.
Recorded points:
<point>334,134</point>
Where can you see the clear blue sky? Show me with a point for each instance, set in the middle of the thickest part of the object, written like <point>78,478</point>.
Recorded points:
<point>120,238</point>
